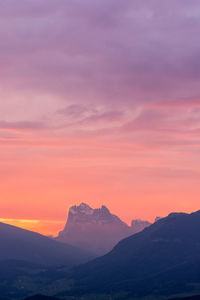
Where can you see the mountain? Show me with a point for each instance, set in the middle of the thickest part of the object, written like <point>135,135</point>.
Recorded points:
<point>96,230</point>
<point>157,219</point>
<point>161,261</point>
<point>139,225</point>
<point>20,244</point>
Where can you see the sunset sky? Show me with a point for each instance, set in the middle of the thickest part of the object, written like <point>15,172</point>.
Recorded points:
<point>99,103</point>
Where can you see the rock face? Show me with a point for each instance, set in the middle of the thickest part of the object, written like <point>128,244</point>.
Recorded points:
<point>96,230</point>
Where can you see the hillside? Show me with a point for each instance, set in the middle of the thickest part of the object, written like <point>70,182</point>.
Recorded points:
<point>162,260</point>
<point>24,245</point>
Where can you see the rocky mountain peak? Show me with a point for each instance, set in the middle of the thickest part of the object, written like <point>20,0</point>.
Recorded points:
<point>105,209</point>
<point>83,213</point>
<point>83,208</point>
<point>97,229</point>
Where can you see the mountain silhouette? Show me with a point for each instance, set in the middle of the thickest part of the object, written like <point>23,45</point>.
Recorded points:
<point>162,260</point>
<point>24,245</point>
<point>96,230</point>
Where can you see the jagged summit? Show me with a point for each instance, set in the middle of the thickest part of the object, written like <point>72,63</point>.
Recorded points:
<point>97,229</point>
<point>83,208</point>
<point>86,215</point>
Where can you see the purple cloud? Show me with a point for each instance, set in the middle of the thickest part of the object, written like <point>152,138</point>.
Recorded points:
<point>110,52</point>
<point>103,62</point>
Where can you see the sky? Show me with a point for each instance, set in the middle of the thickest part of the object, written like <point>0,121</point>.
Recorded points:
<point>99,103</point>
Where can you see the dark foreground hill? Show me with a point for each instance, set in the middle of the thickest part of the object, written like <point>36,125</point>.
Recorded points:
<point>196,297</point>
<point>29,261</point>
<point>20,279</point>
<point>161,261</point>
<point>42,297</point>
<point>20,244</point>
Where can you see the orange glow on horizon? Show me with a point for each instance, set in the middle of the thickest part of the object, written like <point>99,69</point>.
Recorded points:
<point>45,227</point>
<point>41,180</point>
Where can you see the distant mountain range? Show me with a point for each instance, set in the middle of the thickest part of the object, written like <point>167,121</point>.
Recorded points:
<point>161,261</point>
<point>96,230</point>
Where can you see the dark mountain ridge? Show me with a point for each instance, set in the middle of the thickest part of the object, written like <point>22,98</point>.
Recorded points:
<point>21,244</point>
<point>162,260</point>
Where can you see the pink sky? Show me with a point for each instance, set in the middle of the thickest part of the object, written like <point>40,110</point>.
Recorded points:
<point>99,103</point>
